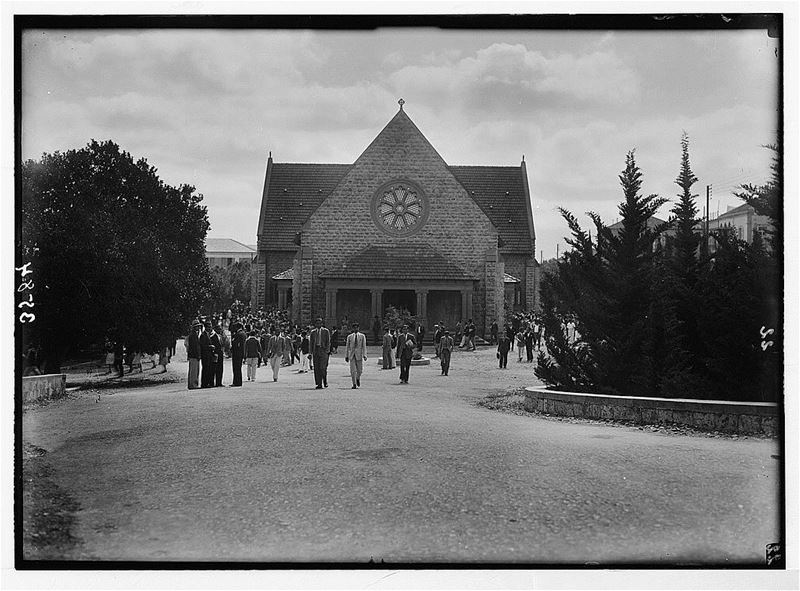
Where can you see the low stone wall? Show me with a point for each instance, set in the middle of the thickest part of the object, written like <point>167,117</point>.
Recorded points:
<point>743,418</point>
<point>46,387</point>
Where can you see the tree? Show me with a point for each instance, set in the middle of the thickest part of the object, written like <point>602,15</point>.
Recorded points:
<point>605,287</point>
<point>229,284</point>
<point>115,250</point>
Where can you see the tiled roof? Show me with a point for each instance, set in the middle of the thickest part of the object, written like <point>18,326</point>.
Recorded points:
<point>283,275</point>
<point>227,245</point>
<point>509,278</point>
<point>294,192</point>
<point>500,192</point>
<point>398,262</point>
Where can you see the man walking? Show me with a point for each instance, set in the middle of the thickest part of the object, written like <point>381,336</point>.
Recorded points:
<point>320,342</point>
<point>446,345</point>
<point>193,353</point>
<point>238,338</point>
<point>252,353</point>
<point>503,345</point>
<point>356,354</point>
<point>386,349</point>
<point>405,351</point>
<point>275,350</point>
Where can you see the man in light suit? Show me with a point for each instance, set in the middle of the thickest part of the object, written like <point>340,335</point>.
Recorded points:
<point>405,351</point>
<point>275,350</point>
<point>320,342</point>
<point>356,354</point>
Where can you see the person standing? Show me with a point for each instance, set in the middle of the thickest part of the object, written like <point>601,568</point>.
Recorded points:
<point>386,349</point>
<point>252,353</point>
<point>529,344</point>
<point>305,352</point>
<point>420,335</point>
<point>207,357</point>
<point>376,329</point>
<point>503,345</point>
<point>520,338</point>
<point>219,357</point>
<point>356,353</point>
<point>334,340</point>
<point>438,331</point>
<point>238,338</point>
<point>275,351</point>
<point>320,343</point>
<point>446,345</point>
<point>405,351</point>
<point>193,353</point>
<point>493,333</point>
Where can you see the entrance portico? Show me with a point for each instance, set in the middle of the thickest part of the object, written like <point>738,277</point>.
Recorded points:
<point>414,277</point>
<point>362,300</point>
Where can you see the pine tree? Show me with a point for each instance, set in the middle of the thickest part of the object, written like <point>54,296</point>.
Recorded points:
<point>686,240</point>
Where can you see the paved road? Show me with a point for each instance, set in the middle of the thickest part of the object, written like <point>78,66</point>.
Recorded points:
<point>284,472</point>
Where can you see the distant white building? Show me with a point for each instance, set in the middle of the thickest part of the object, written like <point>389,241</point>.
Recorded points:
<point>221,252</point>
<point>743,221</point>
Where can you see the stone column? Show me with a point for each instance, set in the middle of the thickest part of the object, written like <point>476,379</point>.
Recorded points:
<point>422,306</point>
<point>330,307</point>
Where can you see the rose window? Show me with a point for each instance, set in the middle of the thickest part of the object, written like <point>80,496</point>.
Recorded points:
<point>400,208</point>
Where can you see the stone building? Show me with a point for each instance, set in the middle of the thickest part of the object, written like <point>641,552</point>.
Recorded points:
<point>401,227</point>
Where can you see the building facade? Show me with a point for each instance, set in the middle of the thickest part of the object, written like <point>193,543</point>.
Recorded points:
<point>397,227</point>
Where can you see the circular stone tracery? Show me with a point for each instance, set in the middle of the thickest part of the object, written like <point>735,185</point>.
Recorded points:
<point>399,207</point>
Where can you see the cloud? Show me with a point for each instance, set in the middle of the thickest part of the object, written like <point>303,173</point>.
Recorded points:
<point>509,78</point>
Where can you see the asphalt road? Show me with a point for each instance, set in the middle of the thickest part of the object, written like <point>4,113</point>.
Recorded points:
<point>275,472</point>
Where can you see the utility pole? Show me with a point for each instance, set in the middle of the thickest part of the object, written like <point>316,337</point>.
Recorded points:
<point>541,257</point>
<point>557,251</point>
<point>708,198</point>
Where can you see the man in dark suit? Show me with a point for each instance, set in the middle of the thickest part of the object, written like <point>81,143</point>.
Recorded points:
<point>420,335</point>
<point>219,358</point>
<point>446,344</point>
<point>503,345</point>
<point>405,351</point>
<point>320,343</point>
<point>238,338</point>
<point>193,353</point>
<point>207,357</point>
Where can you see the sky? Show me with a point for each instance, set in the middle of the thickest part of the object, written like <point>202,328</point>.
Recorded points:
<point>206,106</point>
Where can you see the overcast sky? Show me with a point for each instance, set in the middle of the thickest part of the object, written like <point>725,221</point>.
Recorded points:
<point>204,107</point>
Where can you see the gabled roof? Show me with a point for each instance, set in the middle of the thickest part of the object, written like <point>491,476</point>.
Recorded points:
<point>399,262</point>
<point>288,274</point>
<point>227,245</point>
<point>500,192</point>
<point>652,222</point>
<point>509,278</point>
<point>291,194</point>
<point>743,208</point>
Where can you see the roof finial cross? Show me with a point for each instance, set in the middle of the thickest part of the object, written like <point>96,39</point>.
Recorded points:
<point>401,102</point>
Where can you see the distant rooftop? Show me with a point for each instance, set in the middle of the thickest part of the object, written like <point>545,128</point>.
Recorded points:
<point>227,245</point>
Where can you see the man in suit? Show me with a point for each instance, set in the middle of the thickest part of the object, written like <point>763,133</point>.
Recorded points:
<point>420,335</point>
<point>356,354</point>
<point>503,345</point>
<point>238,338</point>
<point>446,344</point>
<point>193,352</point>
<point>219,358</point>
<point>275,350</point>
<point>207,357</point>
<point>320,343</point>
<point>405,351</point>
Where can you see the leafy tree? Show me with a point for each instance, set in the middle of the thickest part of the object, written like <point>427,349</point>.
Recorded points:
<point>115,250</point>
<point>228,284</point>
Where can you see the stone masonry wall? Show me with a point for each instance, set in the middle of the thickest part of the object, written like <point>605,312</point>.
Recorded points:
<point>277,261</point>
<point>456,226</point>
